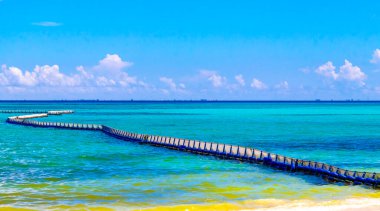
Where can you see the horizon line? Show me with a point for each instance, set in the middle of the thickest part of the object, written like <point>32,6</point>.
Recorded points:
<point>200,100</point>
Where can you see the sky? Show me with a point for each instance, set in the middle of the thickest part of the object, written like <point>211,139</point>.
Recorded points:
<point>189,50</point>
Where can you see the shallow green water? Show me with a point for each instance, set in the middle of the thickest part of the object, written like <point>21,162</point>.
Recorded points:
<point>40,166</point>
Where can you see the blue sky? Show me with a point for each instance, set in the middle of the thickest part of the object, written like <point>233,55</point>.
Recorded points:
<point>239,50</point>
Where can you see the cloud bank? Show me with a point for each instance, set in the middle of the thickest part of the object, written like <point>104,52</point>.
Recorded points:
<point>110,77</point>
<point>108,73</point>
<point>347,72</point>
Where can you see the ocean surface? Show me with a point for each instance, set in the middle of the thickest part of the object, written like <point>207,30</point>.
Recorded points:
<point>55,168</point>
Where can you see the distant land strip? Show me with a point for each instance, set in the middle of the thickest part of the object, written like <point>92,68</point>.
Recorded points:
<point>200,101</point>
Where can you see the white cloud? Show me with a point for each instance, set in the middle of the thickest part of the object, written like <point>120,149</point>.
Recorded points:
<point>375,56</point>
<point>85,75</point>
<point>169,82</point>
<point>351,73</point>
<point>145,85</point>
<point>51,76</point>
<point>112,62</point>
<point>111,68</point>
<point>284,85</point>
<point>47,24</point>
<point>15,76</point>
<point>347,72</point>
<point>327,70</point>
<point>172,85</point>
<point>240,79</point>
<point>126,80</point>
<point>257,84</point>
<point>215,79</point>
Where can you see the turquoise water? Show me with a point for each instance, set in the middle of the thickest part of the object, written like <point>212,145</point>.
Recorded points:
<point>42,167</point>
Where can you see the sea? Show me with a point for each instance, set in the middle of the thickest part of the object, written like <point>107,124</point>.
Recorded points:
<point>53,169</point>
